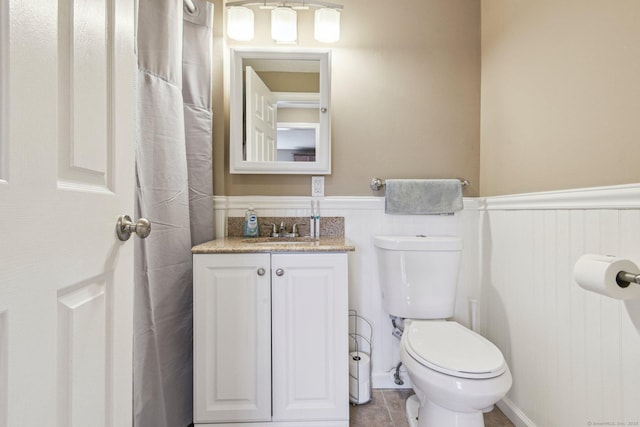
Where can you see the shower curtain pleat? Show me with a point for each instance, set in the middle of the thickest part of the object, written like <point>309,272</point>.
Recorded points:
<point>173,166</point>
<point>196,92</point>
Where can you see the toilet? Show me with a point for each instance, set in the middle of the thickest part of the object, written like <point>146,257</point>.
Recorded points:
<point>456,373</point>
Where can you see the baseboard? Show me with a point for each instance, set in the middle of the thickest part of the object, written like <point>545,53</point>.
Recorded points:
<point>517,417</point>
<point>385,380</point>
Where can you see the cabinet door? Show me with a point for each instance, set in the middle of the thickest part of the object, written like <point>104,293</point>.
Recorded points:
<point>310,337</point>
<point>232,337</point>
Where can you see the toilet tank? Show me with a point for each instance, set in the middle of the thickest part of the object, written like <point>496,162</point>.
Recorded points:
<point>418,275</point>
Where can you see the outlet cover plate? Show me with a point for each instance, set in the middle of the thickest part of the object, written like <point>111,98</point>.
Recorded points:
<point>317,186</point>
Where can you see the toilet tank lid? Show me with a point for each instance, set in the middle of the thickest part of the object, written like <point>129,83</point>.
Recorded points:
<point>418,243</point>
<point>450,348</point>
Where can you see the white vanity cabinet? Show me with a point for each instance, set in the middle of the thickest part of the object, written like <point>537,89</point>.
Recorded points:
<point>271,339</point>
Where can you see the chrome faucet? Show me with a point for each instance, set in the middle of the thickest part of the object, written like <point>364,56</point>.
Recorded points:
<point>274,229</point>
<point>282,230</point>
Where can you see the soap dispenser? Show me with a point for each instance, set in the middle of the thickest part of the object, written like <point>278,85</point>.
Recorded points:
<point>250,228</point>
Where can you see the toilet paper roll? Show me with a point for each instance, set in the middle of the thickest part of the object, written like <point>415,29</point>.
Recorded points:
<point>597,273</point>
<point>359,377</point>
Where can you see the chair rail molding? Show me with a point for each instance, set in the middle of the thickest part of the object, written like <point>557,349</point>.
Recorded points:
<point>303,202</point>
<point>610,197</point>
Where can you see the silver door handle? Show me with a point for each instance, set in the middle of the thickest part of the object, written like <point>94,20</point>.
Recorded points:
<point>124,227</point>
<point>261,271</point>
<point>279,272</point>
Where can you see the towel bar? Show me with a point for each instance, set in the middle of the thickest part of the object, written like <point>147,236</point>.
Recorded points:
<point>377,184</point>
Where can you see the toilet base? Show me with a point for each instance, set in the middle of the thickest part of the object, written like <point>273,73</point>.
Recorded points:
<point>433,415</point>
<point>413,407</point>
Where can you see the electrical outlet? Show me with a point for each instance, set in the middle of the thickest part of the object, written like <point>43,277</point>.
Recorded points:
<point>317,186</point>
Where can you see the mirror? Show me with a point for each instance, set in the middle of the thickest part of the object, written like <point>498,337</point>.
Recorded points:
<point>279,111</point>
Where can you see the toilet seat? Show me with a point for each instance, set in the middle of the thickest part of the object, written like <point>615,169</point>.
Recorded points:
<point>452,349</point>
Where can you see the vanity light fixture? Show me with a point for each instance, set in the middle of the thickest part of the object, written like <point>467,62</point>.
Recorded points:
<point>284,21</point>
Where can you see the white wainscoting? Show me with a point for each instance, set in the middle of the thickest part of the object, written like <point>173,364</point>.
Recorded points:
<point>574,355</point>
<point>364,218</point>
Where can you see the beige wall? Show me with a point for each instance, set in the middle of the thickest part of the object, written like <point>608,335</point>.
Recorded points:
<point>405,97</point>
<point>560,94</point>
<point>290,82</point>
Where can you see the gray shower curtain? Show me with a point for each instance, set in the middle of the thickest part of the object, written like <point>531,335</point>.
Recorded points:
<point>174,191</point>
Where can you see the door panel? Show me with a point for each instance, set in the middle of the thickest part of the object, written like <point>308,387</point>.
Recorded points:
<point>310,333</point>
<point>4,375</point>
<point>85,76</point>
<point>261,115</point>
<point>4,90</point>
<point>232,337</point>
<point>84,335</point>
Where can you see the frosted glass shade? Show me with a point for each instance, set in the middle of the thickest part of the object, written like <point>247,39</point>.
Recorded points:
<point>240,23</point>
<point>327,25</point>
<point>284,24</point>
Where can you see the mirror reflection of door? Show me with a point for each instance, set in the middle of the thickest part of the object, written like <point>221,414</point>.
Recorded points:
<point>282,104</point>
<point>261,119</point>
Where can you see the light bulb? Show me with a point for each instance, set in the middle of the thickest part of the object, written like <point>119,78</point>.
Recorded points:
<point>240,23</point>
<point>327,25</point>
<point>284,24</point>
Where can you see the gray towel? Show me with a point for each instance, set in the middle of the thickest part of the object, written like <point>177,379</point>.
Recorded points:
<point>423,196</point>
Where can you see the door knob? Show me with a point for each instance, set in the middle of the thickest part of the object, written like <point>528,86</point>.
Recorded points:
<point>261,271</point>
<point>124,227</point>
<point>279,272</point>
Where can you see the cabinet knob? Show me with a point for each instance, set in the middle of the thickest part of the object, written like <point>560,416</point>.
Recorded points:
<point>279,272</point>
<point>261,271</point>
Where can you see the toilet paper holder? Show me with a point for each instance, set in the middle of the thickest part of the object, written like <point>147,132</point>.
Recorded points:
<point>624,279</point>
<point>359,370</point>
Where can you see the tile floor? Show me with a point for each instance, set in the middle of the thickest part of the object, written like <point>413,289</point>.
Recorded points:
<point>386,409</point>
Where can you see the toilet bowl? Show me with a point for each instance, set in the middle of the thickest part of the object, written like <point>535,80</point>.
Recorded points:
<point>455,373</point>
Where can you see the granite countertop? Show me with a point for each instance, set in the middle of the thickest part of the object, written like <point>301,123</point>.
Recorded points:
<point>274,244</point>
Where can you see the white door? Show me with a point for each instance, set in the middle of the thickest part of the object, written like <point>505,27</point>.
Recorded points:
<point>262,121</point>
<point>66,174</point>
